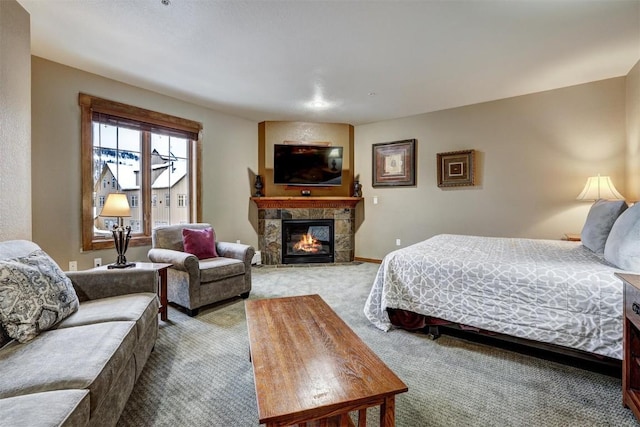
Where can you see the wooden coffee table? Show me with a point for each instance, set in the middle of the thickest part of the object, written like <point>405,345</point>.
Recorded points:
<point>309,366</point>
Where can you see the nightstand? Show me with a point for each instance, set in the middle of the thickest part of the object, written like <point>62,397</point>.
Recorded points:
<point>631,343</point>
<point>572,237</point>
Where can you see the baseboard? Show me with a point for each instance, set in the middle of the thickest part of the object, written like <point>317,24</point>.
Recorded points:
<point>371,260</point>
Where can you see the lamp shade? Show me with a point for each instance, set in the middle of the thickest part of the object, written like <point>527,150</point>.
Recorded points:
<point>116,205</point>
<point>599,187</point>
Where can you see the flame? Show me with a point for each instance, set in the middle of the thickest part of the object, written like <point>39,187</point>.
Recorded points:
<point>308,243</point>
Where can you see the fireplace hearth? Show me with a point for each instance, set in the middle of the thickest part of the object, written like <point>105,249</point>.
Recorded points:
<point>307,241</point>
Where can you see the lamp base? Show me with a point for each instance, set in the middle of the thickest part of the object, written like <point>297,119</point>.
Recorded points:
<point>125,265</point>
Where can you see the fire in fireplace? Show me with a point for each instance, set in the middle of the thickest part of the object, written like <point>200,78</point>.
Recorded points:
<point>307,241</point>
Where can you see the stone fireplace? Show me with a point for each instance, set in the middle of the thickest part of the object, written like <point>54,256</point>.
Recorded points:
<point>307,241</point>
<point>274,211</point>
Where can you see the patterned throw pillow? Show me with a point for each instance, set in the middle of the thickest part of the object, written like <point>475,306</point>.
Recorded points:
<point>35,295</point>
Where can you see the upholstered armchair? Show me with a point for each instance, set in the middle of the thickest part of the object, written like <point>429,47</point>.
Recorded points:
<point>192,282</point>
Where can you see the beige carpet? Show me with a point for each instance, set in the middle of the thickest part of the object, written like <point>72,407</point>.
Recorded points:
<point>200,374</point>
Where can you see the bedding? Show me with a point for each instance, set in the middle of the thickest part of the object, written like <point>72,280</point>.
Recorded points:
<point>556,292</point>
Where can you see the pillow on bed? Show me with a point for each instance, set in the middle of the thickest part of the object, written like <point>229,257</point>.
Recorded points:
<point>599,221</point>
<point>623,244</point>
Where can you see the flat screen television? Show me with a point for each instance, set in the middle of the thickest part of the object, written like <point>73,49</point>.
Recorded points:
<point>307,165</point>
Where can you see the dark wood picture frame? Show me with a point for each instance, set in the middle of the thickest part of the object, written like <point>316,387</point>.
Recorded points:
<point>394,164</point>
<point>456,168</point>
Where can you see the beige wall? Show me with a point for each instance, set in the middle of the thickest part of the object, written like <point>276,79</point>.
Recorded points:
<point>229,152</point>
<point>535,153</point>
<point>633,133</point>
<point>15,122</point>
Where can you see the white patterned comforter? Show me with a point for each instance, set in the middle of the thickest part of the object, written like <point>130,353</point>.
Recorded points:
<point>556,292</point>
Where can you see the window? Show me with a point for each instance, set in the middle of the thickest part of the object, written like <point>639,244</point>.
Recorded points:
<point>135,226</point>
<point>143,154</point>
<point>182,200</point>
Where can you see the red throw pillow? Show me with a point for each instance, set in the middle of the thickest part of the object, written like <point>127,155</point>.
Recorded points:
<point>200,242</point>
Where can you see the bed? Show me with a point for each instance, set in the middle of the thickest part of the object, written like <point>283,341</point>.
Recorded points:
<point>556,292</point>
<point>561,294</point>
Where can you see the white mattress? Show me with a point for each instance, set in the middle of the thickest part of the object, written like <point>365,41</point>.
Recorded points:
<point>551,291</point>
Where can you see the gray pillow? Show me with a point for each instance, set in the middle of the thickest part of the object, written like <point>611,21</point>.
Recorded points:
<point>35,295</point>
<point>599,221</point>
<point>623,244</point>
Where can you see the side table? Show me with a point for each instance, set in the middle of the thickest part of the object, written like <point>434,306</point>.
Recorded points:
<point>572,237</point>
<point>161,268</point>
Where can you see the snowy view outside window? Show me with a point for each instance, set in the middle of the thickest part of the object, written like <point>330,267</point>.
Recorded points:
<point>118,166</point>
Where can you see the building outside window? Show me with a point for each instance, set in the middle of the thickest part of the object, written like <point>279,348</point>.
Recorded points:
<point>135,226</point>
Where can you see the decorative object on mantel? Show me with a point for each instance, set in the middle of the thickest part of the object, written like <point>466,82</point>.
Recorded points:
<point>599,187</point>
<point>258,186</point>
<point>456,168</point>
<point>357,188</point>
<point>394,164</point>
<point>117,206</point>
<point>305,193</point>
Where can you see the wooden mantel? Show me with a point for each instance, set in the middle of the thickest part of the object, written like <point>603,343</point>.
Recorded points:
<point>306,202</point>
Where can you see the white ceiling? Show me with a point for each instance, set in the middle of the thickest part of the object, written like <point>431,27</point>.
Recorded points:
<point>361,61</point>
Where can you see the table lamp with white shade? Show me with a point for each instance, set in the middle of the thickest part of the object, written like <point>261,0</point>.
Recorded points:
<point>599,187</point>
<point>117,206</point>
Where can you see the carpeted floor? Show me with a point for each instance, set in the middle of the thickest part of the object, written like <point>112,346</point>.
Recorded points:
<point>200,373</point>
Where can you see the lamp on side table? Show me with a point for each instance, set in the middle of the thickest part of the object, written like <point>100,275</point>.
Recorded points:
<point>117,206</point>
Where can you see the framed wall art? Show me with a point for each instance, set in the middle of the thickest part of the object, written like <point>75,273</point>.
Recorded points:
<point>394,164</point>
<point>456,168</point>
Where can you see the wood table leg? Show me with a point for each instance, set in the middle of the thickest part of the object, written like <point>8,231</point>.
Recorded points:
<point>163,294</point>
<point>362,418</point>
<point>388,412</point>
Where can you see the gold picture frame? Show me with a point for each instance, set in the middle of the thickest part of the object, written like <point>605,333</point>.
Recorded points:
<point>456,168</point>
<point>394,164</point>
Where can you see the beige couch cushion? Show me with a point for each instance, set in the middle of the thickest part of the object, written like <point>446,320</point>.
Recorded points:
<point>141,308</point>
<point>214,269</point>
<point>85,357</point>
<point>50,408</point>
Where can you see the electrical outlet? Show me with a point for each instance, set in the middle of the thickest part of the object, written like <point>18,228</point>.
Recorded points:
<point>97,262</point>
<point>238,241</point>
<point>397,242</point>
<point>73,265</point>
<point>375,200</point>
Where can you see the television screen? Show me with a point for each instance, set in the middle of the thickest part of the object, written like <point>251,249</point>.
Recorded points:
<point>307,165</point>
